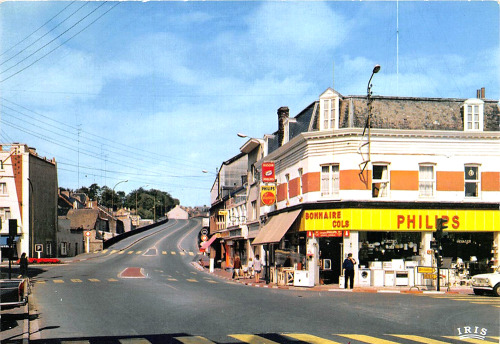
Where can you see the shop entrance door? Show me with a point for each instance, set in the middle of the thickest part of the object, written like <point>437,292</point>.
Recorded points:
<point>331,259</point>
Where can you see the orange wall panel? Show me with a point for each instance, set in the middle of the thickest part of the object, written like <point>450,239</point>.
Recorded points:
<point>311,182</point>
<point>281,192</point>
<point>294,186</point>
<point>490,181</point>
<point>404,180</point>
<point>449,181</point>
<point>351,180</point>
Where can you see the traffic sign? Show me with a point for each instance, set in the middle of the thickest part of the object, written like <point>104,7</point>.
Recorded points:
<point>204,231</point>
<point>38,247</point>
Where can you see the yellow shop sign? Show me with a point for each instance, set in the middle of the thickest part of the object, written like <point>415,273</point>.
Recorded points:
<point>400,220</point>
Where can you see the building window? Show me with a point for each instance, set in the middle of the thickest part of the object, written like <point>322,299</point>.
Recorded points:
<point>380,181</point>
<point>473,115</point>
<point>301,172</point>
<point>328,113</point>
<point>472,181</point>
<point>254,210</point>
<point>287,180</point>
<point>426,180</point>
<point>3,188</point>
<point>330,185</point>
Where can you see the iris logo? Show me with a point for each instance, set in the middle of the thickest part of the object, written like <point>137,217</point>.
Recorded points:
<point>472,332</point>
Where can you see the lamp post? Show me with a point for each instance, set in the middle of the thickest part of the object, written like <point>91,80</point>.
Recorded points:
<point>113,194</point>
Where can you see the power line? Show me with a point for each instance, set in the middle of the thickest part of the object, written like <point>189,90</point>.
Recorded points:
<point>23,69</point>
<point>22,50</point>
<point>31,34</point>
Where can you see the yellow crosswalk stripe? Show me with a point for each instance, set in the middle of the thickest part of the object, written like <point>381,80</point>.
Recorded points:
<point>172,279</point>
<point>130,252</point>
<point>94,280</point>
<point>251,339</point>
<point>471,340</point>
<point>58,281</point>
<point>113,251</point>
<point>41,282</point>
<point>308,338</point>
<point>211,281</point>
<point>163,252</point>
<point>191,253</point>
<point>419,339</point>
<point>134,341</point>
<point>76,280</point>
<point>182,253</point>
<point>173,253</point>
<point>367,339</point>
<point>192,280</point>
<point>193,340</point>
<point>138,252</point>
<point>104,251</point>
<point>112,280</point>
<point>121,252</point>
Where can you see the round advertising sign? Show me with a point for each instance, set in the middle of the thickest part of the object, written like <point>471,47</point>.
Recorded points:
<point>268,197</point>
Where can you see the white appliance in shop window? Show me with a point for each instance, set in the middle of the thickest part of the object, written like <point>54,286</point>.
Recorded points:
<point>377,277</point>
<point>389,278</point>
<point>402,278</point>
<point>364,278</point>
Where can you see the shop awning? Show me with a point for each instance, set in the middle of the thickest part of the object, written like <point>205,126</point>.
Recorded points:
<point>206,244</point>
<point>275,229</point>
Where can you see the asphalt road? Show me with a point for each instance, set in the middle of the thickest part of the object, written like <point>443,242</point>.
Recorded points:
<point>149,290</point>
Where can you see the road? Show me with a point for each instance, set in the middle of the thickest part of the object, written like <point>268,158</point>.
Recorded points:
<point>149,291</point>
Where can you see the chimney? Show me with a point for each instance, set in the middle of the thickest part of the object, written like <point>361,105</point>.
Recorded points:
<point>480,94</point>
<point>283,115</point>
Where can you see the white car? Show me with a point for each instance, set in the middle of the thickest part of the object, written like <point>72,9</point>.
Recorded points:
<point>487,282</point>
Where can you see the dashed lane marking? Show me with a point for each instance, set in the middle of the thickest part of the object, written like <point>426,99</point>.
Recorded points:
<point>193,340</point>
<point>76,280</point>
<point>191,253</point>
<point>252,339</point>
<point>308,338</point>
<point>112,280</point>
<point>367,339</point>
<point>58,281</point>
<point>192,280</point>
<point>138,252</point>
<point>130,252</point>
<point>173,253</point>
<point>121,252</point>
<point>163,252</point>
<point>94,280</point>
<point>419,339</point>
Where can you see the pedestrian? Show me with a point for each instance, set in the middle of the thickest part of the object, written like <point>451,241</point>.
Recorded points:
<point>23,265</point>
<point>348,266</point>
<point>257,267</point>
<point>236,267</point>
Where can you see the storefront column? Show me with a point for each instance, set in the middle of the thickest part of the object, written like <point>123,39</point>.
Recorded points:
<point>351,245</point>
<point>496,249</point>
<point>425,246</point>
<point>312,247</point>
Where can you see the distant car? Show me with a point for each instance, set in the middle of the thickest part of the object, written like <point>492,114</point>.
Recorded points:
<point>487,283</point>
<point>13,292</point>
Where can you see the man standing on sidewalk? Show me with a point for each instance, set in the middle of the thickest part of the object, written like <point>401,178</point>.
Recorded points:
<point>348,266</point>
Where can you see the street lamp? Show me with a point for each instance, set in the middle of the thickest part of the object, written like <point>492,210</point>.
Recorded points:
<point>241,135</point>
<point>113,194</point>
<point>376,69</point>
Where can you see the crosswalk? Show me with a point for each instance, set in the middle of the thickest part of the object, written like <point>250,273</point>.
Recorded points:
<point>472,299</point>
<point>168,278</point>
<point>291,338</point>
<point>148,252</point>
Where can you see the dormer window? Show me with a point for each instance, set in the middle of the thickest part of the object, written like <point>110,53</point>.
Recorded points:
<point>473,115</point>
<point>329,114</point>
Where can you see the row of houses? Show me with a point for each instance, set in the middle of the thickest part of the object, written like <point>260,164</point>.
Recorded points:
<point>367,175</point>
<point>51,222</point>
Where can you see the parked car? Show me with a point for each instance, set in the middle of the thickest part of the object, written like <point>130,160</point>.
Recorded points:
<point>487,283</point>
<point>13,292</point>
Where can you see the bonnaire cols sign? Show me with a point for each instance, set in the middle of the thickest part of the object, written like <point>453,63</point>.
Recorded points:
<point>399,220</point>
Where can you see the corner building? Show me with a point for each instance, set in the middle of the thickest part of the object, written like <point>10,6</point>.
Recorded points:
<point>370,177</point>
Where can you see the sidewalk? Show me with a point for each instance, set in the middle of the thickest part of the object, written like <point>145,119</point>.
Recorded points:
<point>227,275</point>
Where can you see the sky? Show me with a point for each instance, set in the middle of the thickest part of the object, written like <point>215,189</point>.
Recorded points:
<point>155,92</point>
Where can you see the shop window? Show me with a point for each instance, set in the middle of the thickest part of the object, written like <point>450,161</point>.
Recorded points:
<point>426,180</point>
<point>473,115</point>
<point>472,181</point>
<point>380,181</point>
<point>385,246</point>
<point>330,183</point>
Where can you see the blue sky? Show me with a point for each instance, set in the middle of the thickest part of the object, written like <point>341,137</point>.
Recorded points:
<point>155,92</point>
